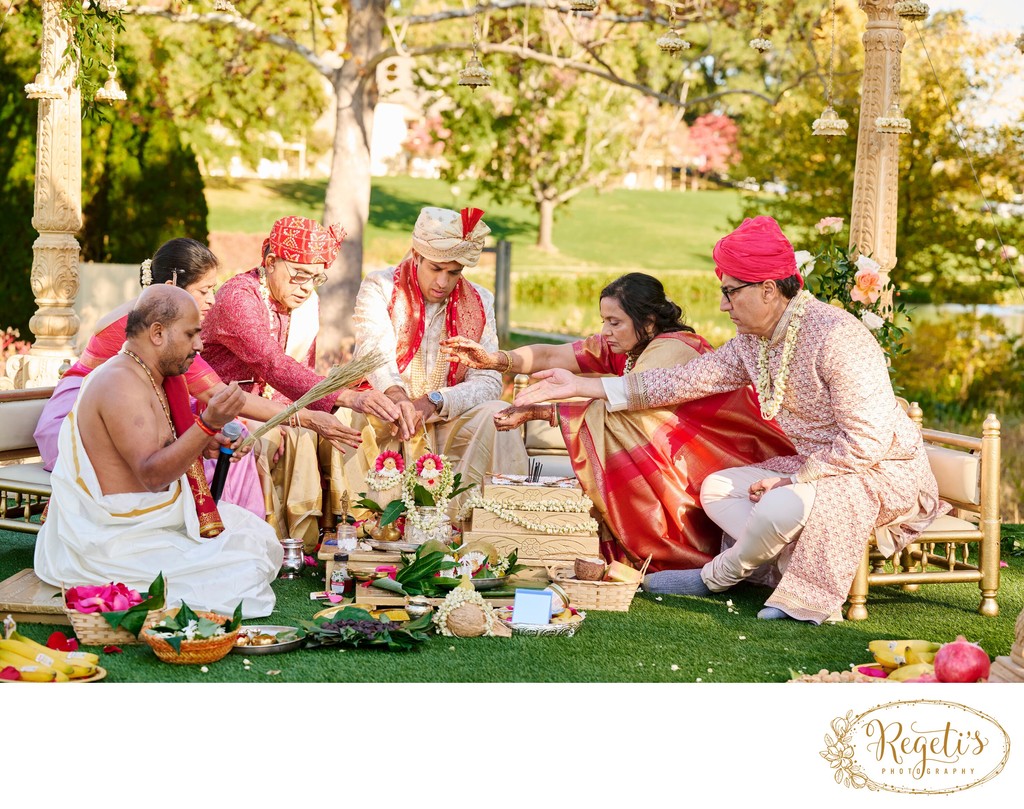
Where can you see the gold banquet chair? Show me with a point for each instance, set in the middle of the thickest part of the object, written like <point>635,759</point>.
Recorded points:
<point>967,471</point>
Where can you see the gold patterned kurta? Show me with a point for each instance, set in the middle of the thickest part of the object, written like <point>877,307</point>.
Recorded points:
<point>856,444</point>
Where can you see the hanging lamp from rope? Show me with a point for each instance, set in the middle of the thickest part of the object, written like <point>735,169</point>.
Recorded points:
<point>830,125</point>
<point>45,86</point>
<point>1020,43</point>
<point>111,92</point>
<point>911,10</point>
<point>583,5</point>
<point>761,43</point>
<point>474,74</point>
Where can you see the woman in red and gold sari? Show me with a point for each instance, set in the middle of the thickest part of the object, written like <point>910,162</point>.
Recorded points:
<point>642,469</point>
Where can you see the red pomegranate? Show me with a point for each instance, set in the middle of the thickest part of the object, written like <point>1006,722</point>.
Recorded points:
<point>961,662</point>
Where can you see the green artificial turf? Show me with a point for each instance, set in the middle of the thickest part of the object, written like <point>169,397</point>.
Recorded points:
<point>674,639</point>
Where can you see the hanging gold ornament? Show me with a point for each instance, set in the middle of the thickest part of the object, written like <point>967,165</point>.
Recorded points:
<point>583,5</point>
<point>829,124</point>
<point>893,122</point>
<point>474,74</point>
<point>911,10</point>
<point>45,86</point>
<point>761,43</point>
<point>672,42</point>
<point>111,92</point>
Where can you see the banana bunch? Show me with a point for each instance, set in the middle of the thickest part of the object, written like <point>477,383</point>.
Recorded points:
<point>41,664</point>
<point>904,659</point>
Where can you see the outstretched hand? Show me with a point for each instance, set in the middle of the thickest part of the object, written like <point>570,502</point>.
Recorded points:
<point>466,351</point>
<point>327,426</point>
<point>553,384</point>
<point>512,417</point>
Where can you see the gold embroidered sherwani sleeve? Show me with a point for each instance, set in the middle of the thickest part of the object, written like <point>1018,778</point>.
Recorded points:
<point>854,374</point>
<point>374,330</point>
<point>479,386</point>
<point>717,372</point>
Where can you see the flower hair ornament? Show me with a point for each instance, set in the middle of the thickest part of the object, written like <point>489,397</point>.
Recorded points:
<point>147,272</point>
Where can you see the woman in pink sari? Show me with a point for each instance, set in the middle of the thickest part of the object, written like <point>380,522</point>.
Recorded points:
<point>188,264</point>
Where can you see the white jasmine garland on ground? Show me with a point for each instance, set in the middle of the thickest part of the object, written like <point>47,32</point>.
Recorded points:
<point>455,599</point>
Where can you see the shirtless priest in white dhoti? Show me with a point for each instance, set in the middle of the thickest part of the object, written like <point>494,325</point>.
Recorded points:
<point>405,311</point>
<point>129,498</point>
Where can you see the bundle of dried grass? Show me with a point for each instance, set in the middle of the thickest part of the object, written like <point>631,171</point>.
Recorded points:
<point>340,376</point>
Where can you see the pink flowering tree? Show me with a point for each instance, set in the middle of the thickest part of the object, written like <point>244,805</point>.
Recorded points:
<point>854,285</point>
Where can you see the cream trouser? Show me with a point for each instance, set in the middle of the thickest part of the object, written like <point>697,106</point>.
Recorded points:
<point>762,531</point>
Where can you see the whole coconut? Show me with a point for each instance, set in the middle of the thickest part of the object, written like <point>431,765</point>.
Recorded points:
<point>590,569</point>
<point>467,621</point>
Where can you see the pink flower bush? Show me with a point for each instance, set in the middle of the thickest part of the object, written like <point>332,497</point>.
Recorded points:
<point>867,283</point>
<point>104,598</point>
<point>830,224</point>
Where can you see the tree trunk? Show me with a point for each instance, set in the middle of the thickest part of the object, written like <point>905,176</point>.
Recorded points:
<point>348,190</point>
<point>547,223</point>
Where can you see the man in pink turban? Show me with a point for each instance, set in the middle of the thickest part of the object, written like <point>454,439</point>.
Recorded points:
<point>405,311</point>
<point>800,522</point>
<point>262,328</point>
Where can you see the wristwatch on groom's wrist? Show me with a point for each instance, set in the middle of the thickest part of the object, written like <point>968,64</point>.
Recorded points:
<point>436,399</point>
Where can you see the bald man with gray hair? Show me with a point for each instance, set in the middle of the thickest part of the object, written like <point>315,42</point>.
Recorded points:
<point>130,499</point>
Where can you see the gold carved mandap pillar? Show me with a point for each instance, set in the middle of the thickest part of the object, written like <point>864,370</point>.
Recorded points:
<point>876,175</point>
<point>57,214</point>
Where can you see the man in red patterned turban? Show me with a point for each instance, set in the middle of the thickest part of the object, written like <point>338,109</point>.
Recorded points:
<point>406,311</point>
<point>263,328</point>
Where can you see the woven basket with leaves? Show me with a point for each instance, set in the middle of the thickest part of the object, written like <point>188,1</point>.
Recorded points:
<point>92,629</point>
<point>194,652</point>
<point>607,596</point>
<point>116,628</point>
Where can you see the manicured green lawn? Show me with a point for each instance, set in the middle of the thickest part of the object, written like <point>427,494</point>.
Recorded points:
<point>667,234</point>
<point>672,640</point>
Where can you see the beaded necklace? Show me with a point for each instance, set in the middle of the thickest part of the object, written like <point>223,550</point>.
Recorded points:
<point>770,393</point>
<point>156,389</point>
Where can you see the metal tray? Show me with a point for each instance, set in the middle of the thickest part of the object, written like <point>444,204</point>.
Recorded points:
<point>274,648</point>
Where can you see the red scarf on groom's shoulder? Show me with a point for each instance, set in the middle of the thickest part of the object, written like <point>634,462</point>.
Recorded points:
<point>464,316</point>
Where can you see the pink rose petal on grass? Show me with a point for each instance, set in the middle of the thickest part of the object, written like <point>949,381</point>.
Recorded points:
<point>309,560</point>
<point>334,598</point>
<point>9,673</point>
<point>112,650</point>
<point>61,643</point>
<point>1003,563</point>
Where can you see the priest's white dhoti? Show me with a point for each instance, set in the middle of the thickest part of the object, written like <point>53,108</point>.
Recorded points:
<point>91,538</point>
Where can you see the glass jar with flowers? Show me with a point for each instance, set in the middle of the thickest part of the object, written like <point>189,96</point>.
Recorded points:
<point>856,286</point>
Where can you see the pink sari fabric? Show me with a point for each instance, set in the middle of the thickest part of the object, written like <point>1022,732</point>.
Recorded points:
<point>242,487</point>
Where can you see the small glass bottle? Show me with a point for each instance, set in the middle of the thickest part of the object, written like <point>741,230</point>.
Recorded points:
<point>342,583</point>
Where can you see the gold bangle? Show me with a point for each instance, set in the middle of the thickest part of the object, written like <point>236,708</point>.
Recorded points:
<point>508,361</point>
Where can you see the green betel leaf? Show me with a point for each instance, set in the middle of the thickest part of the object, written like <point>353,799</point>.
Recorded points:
<point>207,628</point>
<point>185,614</point>
<point>422,497</point>
<point>175,642</point>
<point>390,585</point>
<point>236,619</point>
<point>393,510</point>
<point>368,504</point>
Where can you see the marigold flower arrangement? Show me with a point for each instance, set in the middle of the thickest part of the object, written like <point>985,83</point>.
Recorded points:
<point>855,286</point>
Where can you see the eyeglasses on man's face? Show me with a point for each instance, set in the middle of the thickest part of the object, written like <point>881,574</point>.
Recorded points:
<point>302,278</point>
<point>727,292</point>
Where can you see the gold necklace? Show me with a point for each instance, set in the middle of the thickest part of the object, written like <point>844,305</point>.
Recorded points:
<point>161,398</point>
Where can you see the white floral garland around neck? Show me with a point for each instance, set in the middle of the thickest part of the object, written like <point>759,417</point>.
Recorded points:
<point>771,393</point>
